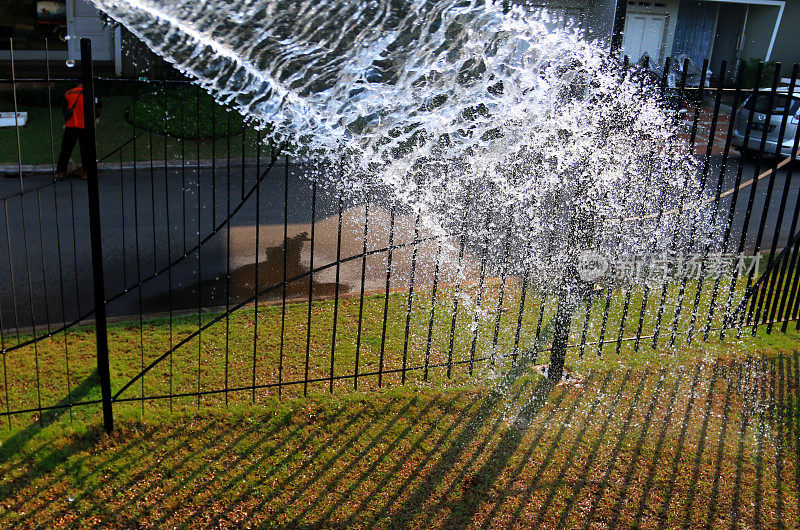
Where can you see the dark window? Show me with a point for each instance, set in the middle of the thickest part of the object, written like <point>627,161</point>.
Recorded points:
<point>30,22</point>
<point>760,104</point>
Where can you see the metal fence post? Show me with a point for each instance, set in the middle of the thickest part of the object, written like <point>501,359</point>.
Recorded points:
<point>90,166</point>
<point>618,30</point>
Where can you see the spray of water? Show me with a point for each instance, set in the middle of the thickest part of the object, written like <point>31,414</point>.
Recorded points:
<point>530,141</point>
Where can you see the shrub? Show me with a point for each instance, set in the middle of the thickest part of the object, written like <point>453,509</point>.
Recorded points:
<point>750,70</point>
<point>173,110</point>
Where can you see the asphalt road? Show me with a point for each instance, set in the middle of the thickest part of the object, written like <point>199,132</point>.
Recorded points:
<point>150,219</point>
<point>766,204</point>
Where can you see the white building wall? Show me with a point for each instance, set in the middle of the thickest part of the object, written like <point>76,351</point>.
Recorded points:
<point>667,8</point>
<point>83,20</point>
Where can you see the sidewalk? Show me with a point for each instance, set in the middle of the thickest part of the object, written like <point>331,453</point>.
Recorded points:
<point>12,170</point>
<point>703,131</point>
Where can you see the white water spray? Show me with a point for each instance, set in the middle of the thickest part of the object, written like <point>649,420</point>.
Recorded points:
<point>530,141</point>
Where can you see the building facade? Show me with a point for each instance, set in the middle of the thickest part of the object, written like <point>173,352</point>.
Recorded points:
<point>61,24</point>
<point>717,30</point>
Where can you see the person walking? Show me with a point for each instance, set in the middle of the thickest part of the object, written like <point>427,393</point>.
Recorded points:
<point>74,129</point>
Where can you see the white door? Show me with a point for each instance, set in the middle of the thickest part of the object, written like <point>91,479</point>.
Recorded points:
<point>644,33</point>
<point>83,20</point>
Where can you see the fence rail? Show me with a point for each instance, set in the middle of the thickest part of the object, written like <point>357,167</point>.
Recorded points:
<point>228,274</point>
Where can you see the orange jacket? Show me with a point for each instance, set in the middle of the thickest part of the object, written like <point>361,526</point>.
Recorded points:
<point>73,108</point>
<point>74,105</point>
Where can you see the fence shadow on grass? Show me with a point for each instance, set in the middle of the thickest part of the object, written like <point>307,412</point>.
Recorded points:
<point>18,442</point>
<point>702,445</point>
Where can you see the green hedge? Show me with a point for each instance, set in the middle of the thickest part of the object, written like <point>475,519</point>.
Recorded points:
<point>174,110</point>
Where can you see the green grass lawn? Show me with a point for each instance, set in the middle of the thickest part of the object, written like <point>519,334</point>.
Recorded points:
<point>696,433</point>
<point>422,341</point>
<point>659,442</point>
<point>115,129</point>
<point>232,353</point>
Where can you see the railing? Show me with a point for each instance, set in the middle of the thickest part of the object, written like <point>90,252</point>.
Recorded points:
<point>228,274</point>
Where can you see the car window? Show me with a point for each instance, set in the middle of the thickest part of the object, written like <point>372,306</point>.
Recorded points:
<point>761,104</point>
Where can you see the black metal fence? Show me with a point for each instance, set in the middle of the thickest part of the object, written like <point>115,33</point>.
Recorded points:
<point>200,263</point>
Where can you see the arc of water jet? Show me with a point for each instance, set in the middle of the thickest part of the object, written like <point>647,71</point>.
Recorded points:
<point>201,40</point>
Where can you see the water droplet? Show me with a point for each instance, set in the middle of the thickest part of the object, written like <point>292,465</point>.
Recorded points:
<point>70,63</point>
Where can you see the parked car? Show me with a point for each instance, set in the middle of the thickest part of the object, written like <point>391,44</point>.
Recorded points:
<point>783,105</point>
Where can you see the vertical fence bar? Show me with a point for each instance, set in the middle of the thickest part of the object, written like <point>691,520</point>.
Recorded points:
<point>768,198</point>
<point>167,204</point>
<point>781,210</point>
<point>336,290</point>
<point>5,367</point>
<point>310,283</point>
<point>602,338</point>
<point>520,315</point>
<point>792,297</point>
<point>456,294</point>
<point>199,247</point>
<point>481,279</point>
<point>789,264</point>
<point>586,318</point>
<point>184,96</point>
<point>123,235</point>
<point>5,378</point>
<point>735,200</point>
<point>227,247</point>
<point>623,317</point>
<point>386,295</point>
<point>90,166</point>
<point>138,253</point>
<point>25,235</point>
<point>258,234</point>
<point>793,312</point>
<point>751,200</point>
<point>153,215</point>
<point>410,300</point>
<point>433,306</point>
<point>361,298</point>
<point>285,258</point>
<point>720,182</point>
<point>457,289</point>
<point>500,300</point>
<point>213,163</point>
<point>789,272</point>
<point>539,320</point>
<point>617,32</point>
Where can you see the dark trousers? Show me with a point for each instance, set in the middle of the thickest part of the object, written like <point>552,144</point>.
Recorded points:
<point>72,135</point>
